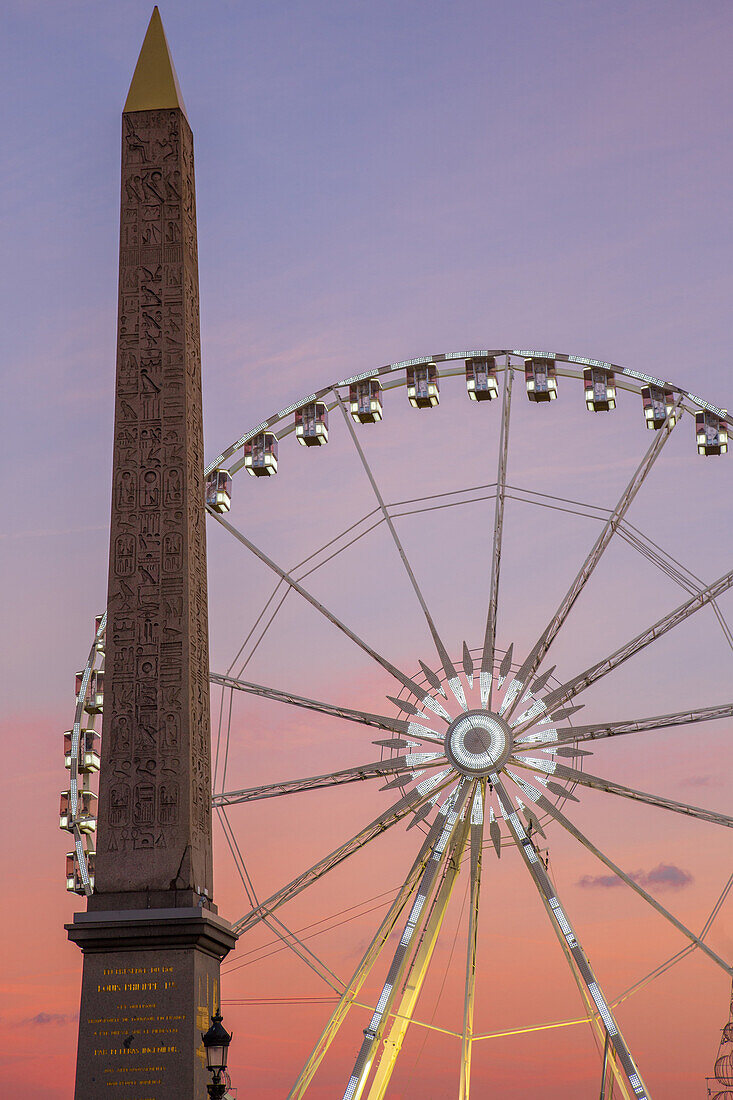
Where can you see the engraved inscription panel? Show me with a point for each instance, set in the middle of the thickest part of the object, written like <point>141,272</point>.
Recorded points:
<point>141,1018</point>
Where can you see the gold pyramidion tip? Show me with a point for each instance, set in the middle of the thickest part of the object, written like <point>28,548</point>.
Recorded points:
<point>154,84</point>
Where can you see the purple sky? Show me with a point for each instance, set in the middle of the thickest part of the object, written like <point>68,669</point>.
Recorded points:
<point>376,181</point>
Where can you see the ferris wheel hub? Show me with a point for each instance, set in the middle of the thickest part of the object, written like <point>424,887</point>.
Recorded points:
<point>478,743</point>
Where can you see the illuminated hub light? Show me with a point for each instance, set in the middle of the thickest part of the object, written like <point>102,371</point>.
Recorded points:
<point>600,389</point>
<point>541,380</point>
<point>539,778</point>
<point>529,715</point>
<point>365,401</point>
<point>457,688</point>
<point>432,781</point>
<point>658,404</point>
<point>422,386</point>
<point>548,766</point>
<point>538,737</point>
<point>527,790</point>
<point>311,424</point>
<point>484,687</point>
<point>477,743</point>
<point>512,692</point>
<point>414,759</point>
<point>438,708</point>
<point>712,434</point>
<point>481,382</point>
<point>260,455</point>
<point>219,491</point>
<point>414,729</point>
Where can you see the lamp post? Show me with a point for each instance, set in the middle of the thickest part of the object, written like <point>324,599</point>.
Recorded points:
<point>216,1044</point>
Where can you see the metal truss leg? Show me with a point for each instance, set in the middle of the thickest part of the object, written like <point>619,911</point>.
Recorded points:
<point>417,971</point>
<point>453,826</point>
<point>560,922</point>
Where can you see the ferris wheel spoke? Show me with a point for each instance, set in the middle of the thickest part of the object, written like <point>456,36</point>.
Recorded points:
<point>453,835</point>
<point>445,660</point>
<point>562,771</point>
<point>546,804</point>
<point>600,730</point>
<point>377,770</point>
<point>406,682</point>
<point>487,656</point>
<point>477,839</point>
<point>364,718</point>
<point>379,941</point>
<point>579,683</point>
<point>539,651</point>
<point>564,929</point>
<point>413,800</point>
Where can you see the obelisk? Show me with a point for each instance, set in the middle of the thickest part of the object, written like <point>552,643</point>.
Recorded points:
<point>151,937</point>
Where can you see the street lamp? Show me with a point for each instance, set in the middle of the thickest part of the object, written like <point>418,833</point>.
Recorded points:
<point>216,1044</point>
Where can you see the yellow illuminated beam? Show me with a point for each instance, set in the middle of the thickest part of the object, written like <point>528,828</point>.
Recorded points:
<point>477,839</point>
<point>418,968</point>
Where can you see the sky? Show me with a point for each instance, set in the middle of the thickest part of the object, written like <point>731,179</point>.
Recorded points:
<point>377,181</point>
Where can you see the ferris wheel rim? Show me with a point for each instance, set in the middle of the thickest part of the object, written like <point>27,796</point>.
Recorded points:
<point>627,378</point>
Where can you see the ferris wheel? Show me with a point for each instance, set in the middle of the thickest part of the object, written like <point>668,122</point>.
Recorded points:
<point>475,748</point>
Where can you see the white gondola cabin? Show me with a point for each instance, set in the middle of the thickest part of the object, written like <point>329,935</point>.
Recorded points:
<point>712,434</point>
<point>74,882</point>
<point>658,404</point>
<point>88,750</point>
<point>423,389</point>
<point>541,379</point>
<point>94,698</point>
<point>311,424</point>
<point>600,389</point>
<point>481,381</point>
<point>365,401</point>
<point>86,811</point>
<point>260,455</point>
<point>219,491</point>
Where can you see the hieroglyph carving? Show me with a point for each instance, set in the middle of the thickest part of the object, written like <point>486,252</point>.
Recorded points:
<point>155,781</point>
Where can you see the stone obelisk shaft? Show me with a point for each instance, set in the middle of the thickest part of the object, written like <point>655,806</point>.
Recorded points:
<point>151,938</point>
<point>155,815</point>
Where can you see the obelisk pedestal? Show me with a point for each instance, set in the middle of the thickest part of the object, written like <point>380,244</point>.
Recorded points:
<point>151,938</point>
